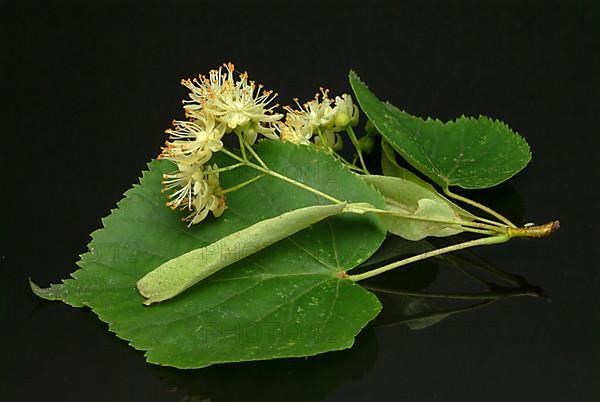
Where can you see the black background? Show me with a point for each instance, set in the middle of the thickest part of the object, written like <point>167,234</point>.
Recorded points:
<point>88,88</point>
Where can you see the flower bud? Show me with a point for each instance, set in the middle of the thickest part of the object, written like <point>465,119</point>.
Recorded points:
<point>342,120</point>
<point>366,144</point>
<point>370,129</point>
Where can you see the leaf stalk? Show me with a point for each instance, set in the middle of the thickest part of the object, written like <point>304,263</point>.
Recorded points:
<point>485,241</point>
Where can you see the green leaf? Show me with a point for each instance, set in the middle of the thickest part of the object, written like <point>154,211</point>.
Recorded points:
<point>467,152</point>
<point>413,197</point>
<point>288,300</point>
<point>390,167</point>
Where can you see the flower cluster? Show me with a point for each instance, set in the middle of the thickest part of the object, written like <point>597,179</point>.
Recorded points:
<point>242,106</point>
<point>321,117</point>
<point>218,105</point>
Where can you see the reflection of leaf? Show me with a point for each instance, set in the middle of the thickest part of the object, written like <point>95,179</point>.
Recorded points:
<point>414,312</point>
<point>423,313</point>
<point>276,380</point>
<point>408,296</point>
<point>467,152</point>
<point>412,197</point>
<point>468,262</point>
<point>393,249</point>
<point>420,312</point>
<point>286,300</point>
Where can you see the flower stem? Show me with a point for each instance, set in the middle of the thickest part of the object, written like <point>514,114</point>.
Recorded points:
<point>323,139</point>
<point>478,205</point>
<point>354,140</point>
<point>350,165</point>
<point>242,147</point>
<point>491,222</point>
<point>227,168</point>
<point>240,185</point>
<point>479,231</point>
<point>255,155</point>
<point>295,183</point>
<point>501,238</point>
<point>234,156</point>
<point>270,172</point>
<point>485,228</point>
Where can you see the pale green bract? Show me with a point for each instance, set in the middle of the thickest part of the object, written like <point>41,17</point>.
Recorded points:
<point>412,198</point>
<point>178,274</point>
<point>390,167</point>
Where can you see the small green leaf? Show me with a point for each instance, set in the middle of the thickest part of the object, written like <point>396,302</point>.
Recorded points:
<point>467,152</point>
<point>413,197</point>
<point>390,167</point>
<point>287,300</point>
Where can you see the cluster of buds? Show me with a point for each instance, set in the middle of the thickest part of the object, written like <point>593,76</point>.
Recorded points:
<point>320,119</point>
<point>219,104</point>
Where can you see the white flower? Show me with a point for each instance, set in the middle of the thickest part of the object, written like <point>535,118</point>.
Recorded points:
<point>206,198</point>
<point>295,132</point>
<point>241,105</point>
<point>202,87</point>
<point>319,118</point>
<point>196,188</point>
<point>194,141</point>
<point>218,104</point>
<point>346,112</point>
<point>315,113</point>
<point>183,180</point>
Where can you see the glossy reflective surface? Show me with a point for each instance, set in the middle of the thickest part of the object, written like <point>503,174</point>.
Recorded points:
<point>89,89</point>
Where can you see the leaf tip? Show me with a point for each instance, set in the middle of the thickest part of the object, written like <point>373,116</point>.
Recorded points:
<point>48,293</point>
<point>354,79</point>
